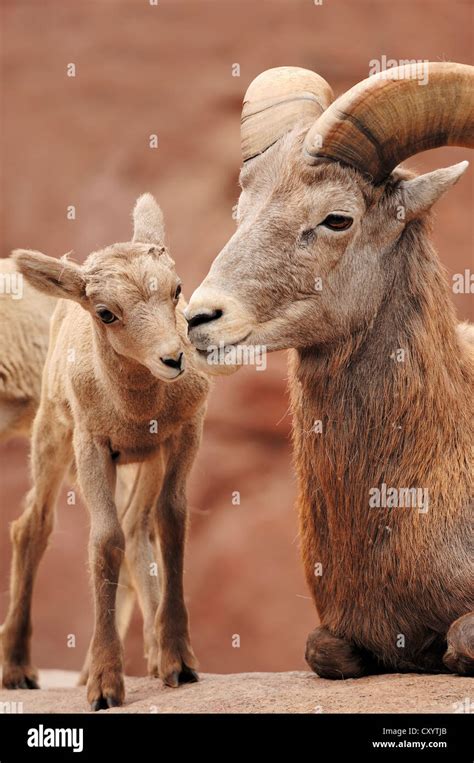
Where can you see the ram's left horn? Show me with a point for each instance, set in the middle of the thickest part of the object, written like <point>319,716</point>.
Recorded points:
<point>276,101</point>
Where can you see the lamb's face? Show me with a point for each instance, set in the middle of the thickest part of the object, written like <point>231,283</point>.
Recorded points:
<point>304,266</point>
<point>132,292</point>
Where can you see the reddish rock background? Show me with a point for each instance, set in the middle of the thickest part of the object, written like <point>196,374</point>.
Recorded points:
<point>83,141</point>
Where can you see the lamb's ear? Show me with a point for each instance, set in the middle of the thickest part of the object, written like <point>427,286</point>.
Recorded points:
<point>58,278</point>
<point>148,225</point>
<point>420,193</point>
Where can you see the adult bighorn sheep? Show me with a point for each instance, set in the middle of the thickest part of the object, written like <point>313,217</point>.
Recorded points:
<point>332,258</point>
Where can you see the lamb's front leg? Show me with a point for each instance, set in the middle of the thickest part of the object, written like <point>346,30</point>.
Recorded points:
<point>177,661</point>
<point>96,475</point>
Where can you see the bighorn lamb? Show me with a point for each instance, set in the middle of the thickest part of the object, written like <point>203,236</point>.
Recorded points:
<point>118,339</point>
<point>25,315</point>
<point>332,257</point>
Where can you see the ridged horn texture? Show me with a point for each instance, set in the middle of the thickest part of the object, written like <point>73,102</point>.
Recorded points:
<point>391,116</point>
<point>275,101</point>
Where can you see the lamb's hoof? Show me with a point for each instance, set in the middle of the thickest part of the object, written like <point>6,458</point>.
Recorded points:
<point>333,657</point>
<point>105,689</point>
<point>19,677</point>
<point>104,703</point>
<point>188,676</point>
<point>459,656</point>
<point>185,676</point>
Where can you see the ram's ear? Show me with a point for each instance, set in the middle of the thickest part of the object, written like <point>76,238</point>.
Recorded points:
<point>148,225</point>
<point>58,278</point>
<point>420,193</point>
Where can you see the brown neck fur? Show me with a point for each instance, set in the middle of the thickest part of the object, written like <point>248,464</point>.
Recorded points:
<point>405,424</point>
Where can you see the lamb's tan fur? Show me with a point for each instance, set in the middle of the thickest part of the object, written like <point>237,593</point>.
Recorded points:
<point>105,401</point>
<point>24,338</point>
<point>393,587</point>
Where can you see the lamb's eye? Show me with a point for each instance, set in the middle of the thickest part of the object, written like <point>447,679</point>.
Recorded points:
<point>178,291</point>
<point>105,315</point>
<point>337,222</point>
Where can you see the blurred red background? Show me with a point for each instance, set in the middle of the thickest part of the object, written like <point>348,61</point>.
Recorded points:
<point>84,141</point>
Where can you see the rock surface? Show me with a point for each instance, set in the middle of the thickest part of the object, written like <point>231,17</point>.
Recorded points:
<point>290,692</point>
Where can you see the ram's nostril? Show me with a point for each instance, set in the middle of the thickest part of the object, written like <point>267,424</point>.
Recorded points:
<point>173,362</point>
<point>200,318</point>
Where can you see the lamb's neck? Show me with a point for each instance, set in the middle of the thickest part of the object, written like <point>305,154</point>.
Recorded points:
<point>125,377</point>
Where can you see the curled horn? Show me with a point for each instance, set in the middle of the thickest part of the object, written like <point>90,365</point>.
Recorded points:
<point>393,115</point>
<point>275,101</point>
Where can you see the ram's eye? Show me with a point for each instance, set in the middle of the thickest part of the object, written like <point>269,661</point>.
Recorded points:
<point>178,291</point>
<point>105,315</point>
<point>337,222</point>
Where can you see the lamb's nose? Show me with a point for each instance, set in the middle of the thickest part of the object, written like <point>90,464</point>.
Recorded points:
<point>173,362</point>
<point>203,317</point>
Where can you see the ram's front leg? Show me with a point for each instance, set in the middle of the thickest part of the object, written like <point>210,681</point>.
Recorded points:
<point>96,475</point>
<point>177,661</point>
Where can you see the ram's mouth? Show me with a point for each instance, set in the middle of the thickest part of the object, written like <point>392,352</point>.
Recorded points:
<point>221,346</point>
<point>218,359</point>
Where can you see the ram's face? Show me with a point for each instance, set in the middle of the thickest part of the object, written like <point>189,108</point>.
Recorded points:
<point>322,204</point>
<point>300,268</point>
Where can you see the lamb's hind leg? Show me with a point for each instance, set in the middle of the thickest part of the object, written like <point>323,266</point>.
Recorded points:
<point>127,480</point>
<point>459,656</point>
<point>333,657</point>
<point>141,556</point>
<point>30,534</point>
<point>137,492</point>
